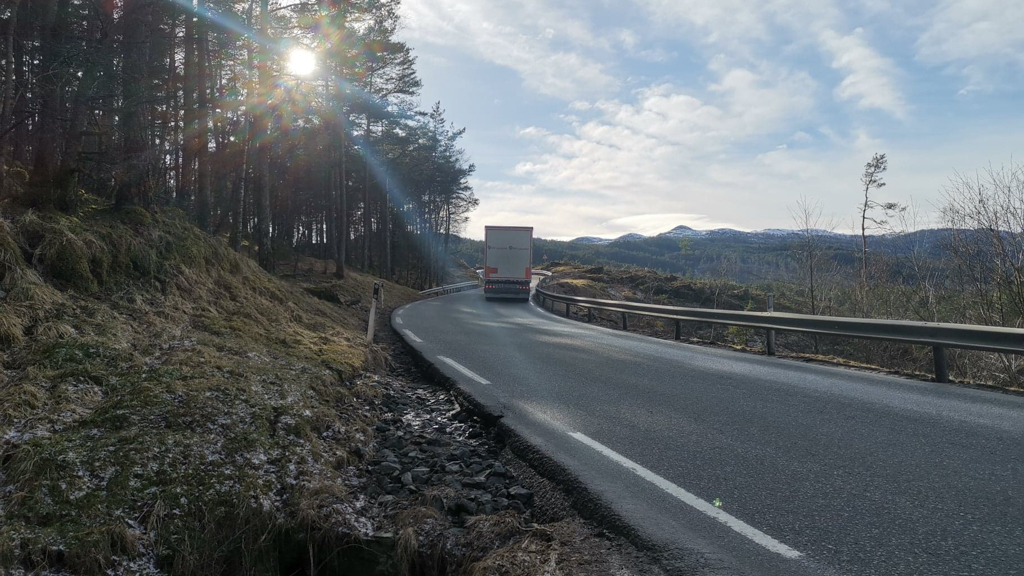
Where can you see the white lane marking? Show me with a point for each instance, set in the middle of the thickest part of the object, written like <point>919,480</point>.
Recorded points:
<point>689,499</point>
<point>399,321</point>
<point>401,311</point>
<point>463,369</point>
<point>414,337</point>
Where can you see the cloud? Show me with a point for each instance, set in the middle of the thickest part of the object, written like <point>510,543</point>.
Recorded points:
<point>869,77</point>
<point>548,47</point>
<point>663,158</point>
<point>749,28</point>
<point>974,38</point>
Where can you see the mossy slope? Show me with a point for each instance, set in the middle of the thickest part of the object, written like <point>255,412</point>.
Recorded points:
<point>166,405</point>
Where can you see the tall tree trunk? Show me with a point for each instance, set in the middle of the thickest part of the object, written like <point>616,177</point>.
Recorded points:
<point>342,177</point>
<point>7,98</point>
<point>44,165</point>
<point>172,101</point>
<point>136,185</point>
<point>20,143</point>
<point>188,142</point>
<point>386,216</point>
<point>203,205</point>
<point>266,256</point>
<point>367,215</point>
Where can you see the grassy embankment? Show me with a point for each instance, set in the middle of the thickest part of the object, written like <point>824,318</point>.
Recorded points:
<point>164,403</point>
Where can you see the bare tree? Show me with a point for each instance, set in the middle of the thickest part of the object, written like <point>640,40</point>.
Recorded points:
<point>813,229</point>
<point>985,215</point>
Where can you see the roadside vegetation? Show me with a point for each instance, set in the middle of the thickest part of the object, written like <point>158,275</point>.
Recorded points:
<point>164,402</point>
<point>652,287</point>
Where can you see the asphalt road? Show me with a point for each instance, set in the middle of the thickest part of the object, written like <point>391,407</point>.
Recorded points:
<point>818,470</point>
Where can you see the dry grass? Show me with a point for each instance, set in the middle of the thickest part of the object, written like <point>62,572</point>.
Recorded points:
<point>165,404</point>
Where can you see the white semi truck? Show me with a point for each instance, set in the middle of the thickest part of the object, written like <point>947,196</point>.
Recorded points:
<point>508,256</point>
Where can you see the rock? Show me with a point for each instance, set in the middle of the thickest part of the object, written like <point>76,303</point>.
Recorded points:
<point>453,468</point>
<point>521,494</point>
<point>381,427</point>
<point>517,506</point>
<point>501,503</point>
<point>407,479</point>
<point>494,480</point>
<point>419,475</point>
<point>474,434</point>
<point>385,500</point>
<point>463,506</point>
<point>476,469</point>
<point>388,468</point>
<point>476,482</point>
<point>498,469</point>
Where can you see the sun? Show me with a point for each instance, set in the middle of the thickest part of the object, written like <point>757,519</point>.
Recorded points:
<point>301,62</point>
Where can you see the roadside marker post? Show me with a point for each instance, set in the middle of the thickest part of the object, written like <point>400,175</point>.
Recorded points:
<point>378,293</point>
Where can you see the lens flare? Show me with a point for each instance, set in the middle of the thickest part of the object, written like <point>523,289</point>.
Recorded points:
<point>301,62</point>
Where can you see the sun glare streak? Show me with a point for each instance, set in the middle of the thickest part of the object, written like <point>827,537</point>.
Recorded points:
<point>301,62</point>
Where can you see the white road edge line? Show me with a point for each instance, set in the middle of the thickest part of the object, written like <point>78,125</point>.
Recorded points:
<point>414,337</point>
<point>694,502</point>
<point>398,320</point>
<point>463,369</point>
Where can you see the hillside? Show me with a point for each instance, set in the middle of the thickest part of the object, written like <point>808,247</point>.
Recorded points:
<point>166,403</point>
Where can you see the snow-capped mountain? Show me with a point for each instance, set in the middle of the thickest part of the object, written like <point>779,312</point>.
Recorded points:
<point>630,237</point>
<point>683,231</point>
<point>590,240</point>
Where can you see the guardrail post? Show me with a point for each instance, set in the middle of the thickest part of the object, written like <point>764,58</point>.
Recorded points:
<point>625,322</point>
<point>679,330</point>
<point>770,334</point>
<point>590,314</point>
<point>941,365</point>
<point>566,309</point>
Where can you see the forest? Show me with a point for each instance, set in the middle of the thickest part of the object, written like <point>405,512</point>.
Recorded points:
<point>285,128</point>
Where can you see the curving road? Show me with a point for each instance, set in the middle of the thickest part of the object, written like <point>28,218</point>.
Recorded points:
<point>818,470</point>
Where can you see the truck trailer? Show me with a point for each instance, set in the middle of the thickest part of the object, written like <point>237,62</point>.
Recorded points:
<point>508,257</point>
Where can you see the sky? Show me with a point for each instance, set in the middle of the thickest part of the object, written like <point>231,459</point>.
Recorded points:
<point>602,117</point>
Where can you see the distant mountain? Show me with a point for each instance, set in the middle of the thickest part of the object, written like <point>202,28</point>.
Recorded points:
<point>631,237</point>
<point>745,256</point>
<point>683,231</point>
<point>589,240</point>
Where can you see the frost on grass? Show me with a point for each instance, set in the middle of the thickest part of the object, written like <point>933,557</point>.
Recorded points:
<point>182,412</point>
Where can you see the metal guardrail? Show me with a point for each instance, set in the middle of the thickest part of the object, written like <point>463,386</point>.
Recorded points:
<point>937,335</point>
<point>450,289</point>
